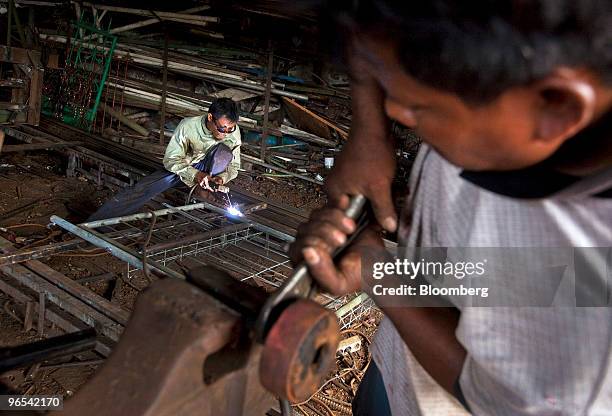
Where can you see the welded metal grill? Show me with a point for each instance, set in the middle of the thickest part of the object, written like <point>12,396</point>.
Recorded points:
<point>202,233</point>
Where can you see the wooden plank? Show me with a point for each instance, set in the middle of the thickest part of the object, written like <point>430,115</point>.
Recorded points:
<point>129,123</point>
<point>86,295</point>
<point>64,300</point>
<point>310,121</point>
<point>17,55</point>
<point>235,94</point>
<point>67,302</point>
<point>35,100</point>
<point>41,313</point>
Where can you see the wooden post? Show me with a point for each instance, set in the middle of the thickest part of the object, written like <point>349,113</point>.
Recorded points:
<point>264,133</point>
<point>10,23</point>
<point>30,38</point>
<point>162,129</point>
<point>28,318</point>
<point>22,37</point>
<point>41,314</point>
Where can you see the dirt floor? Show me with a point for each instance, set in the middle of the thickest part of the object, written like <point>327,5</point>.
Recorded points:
<point>293,192</point>
<point>33,187</point>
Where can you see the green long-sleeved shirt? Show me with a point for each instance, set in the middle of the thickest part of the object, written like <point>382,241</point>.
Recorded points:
<point>189,144</point>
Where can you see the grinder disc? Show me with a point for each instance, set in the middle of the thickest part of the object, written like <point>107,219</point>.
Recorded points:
<point>299,351</point>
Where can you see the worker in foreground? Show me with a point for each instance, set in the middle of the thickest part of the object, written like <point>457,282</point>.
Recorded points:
<point>513,100</point>
<point>204,150</point>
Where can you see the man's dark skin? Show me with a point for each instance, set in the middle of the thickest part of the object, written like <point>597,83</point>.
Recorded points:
<point>519,128</point>
<point>219,129</point>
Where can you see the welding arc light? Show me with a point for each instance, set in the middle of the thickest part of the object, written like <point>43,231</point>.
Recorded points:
<point>233,211</point>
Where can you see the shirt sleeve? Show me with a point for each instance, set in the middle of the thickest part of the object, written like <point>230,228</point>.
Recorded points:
<point>175,159</point>
<point>232,169</point>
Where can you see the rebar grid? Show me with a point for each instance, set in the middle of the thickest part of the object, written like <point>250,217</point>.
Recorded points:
<point>211,238</point>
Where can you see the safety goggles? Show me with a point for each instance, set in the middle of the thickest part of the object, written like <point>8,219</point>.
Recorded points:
<point>221,129</point>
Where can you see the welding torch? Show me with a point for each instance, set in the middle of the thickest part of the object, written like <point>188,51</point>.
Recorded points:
<point>215,187</point>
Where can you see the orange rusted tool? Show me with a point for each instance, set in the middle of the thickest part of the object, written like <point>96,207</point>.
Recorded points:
<point>299,350</point>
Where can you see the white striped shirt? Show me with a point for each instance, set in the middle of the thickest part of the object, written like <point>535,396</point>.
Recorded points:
<point>520,360</point>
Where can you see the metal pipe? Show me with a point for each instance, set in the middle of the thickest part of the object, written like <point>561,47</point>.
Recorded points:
<point>143,215</point>
<point>256,225</point>
<point>279,169</point>
<point>114,248</point>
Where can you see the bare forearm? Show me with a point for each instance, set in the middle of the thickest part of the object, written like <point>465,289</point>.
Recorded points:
<point>369,136</point>
<point>367,163</point>
<point>429,333</point>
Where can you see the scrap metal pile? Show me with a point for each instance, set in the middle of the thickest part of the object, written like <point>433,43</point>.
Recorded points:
<point>302,116</point>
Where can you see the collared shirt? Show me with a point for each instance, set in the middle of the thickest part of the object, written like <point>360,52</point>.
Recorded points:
<point>520,360</point>
<point>189,144</point>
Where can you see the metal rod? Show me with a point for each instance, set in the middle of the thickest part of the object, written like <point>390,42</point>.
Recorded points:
<point>279,169</point>
<point>141,216</point>
<point>149,13</point>
<point>149,22</point>
<point>116,249</point>
<point>256,225</point>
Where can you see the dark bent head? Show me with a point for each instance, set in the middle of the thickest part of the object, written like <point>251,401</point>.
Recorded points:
<point>477,49</point>
<point>490,84</point>
<point>222,117</point>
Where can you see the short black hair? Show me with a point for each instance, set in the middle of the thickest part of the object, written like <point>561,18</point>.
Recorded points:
<point>479,48</point>
<point>224,107</point>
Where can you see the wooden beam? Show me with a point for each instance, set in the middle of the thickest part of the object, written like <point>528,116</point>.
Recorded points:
<point>66,302</point>
<point>311,121</point>
<point>130,123</point>
<point>81,292</point>
<point>55,316</point>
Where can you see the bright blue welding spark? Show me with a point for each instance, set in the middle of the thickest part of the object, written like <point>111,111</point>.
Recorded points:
<point>235,212</point>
